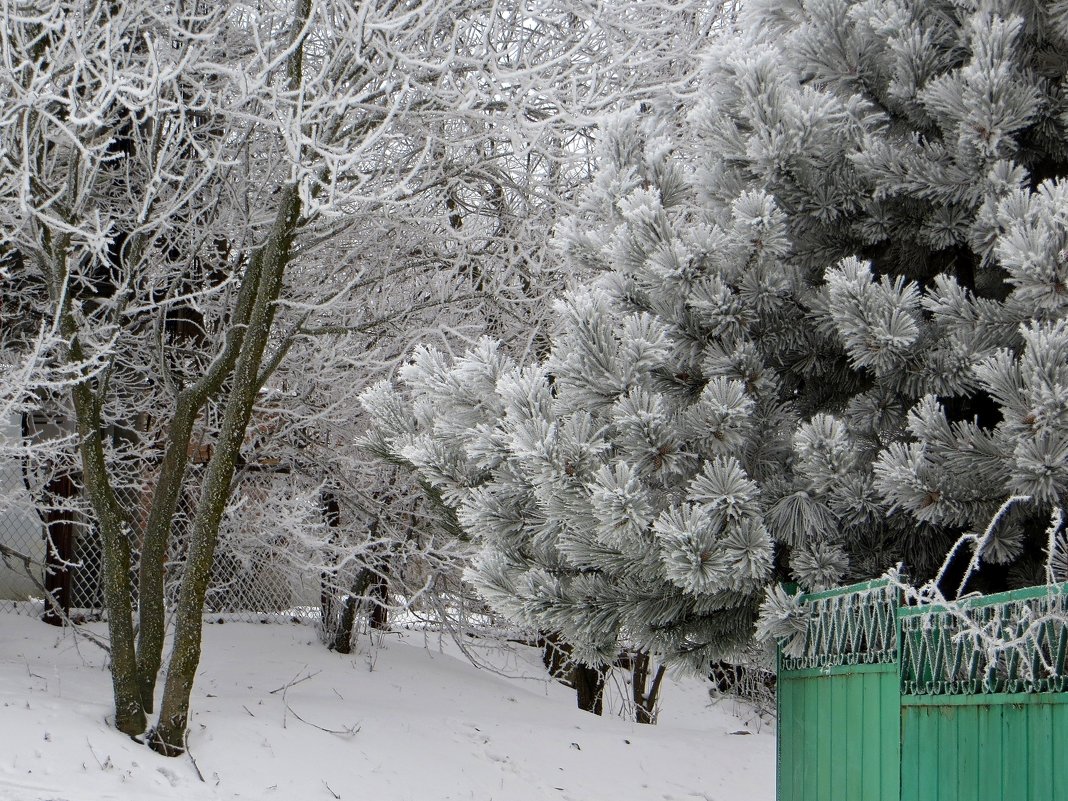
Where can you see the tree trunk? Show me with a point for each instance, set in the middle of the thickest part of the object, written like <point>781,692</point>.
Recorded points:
<point>168,737</point>
<point>554,655</point>
<point>59,530</point>
<point>129,714</point>
<point>152,625</point>
<point>587,682</point>
<point>268,266</point>
<point>331,510</point>
<point>346,619</point>
<point>342,641</point>
<point>645,702</point>
<point>589,687</point>
<point>168,492</point>
<point>379,617</point>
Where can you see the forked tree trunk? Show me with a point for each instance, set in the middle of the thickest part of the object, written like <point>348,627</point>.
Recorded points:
<point>168,737</point>
<point>168,492</point>
<point>645,702</point>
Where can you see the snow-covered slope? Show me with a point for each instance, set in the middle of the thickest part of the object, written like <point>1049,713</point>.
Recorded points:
<point>411,722</point>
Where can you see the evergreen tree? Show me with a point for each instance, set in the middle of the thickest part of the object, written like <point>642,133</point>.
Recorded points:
<point>609,490</point>
<point>916,151</point>
<point>828,334</point>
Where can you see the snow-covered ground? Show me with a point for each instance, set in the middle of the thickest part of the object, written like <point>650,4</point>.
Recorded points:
<point>413,721</point>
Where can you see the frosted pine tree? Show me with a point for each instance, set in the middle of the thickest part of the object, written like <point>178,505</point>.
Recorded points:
<point>828,335</point>
<point>916,150</point>
<point>611,487</point>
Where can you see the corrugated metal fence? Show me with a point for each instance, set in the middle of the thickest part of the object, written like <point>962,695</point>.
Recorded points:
<point>964,703</point>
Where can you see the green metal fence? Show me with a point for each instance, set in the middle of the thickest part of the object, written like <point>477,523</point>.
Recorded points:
<point>966,703</point>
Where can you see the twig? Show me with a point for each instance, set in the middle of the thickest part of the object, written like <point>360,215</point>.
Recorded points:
<point>294,681</point>
<point>980,542</point>
<point>192,759</point>
<point>348,731</point>
<point>247,710</point>
<point>327,786</point>
<point>91,751</point>
<point>28,562</point>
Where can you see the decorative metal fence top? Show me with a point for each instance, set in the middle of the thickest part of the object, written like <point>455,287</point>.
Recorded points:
<point>1006,643</point>
<point>853,625</point>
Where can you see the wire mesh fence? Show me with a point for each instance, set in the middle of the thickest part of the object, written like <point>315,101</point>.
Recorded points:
<point>288,549</point>
<point>49,546</point>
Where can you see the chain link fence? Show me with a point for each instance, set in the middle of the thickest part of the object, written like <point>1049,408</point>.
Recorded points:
<point>289,549</point>
<point>48,545</point>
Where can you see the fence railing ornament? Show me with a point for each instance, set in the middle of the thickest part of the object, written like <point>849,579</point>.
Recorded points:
<point>1007,643</point>
<point>848,626</point>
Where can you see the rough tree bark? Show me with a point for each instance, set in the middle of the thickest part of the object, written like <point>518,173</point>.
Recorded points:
<point>266,269</point>
<point>129,713</point>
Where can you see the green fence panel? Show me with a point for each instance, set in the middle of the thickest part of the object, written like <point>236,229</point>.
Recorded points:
<point>943,654</point>
<point>838,734</point>
<point>985,748</point>
<point>854,625</point>
<point>968,703</point>
<point>993,717</point>
<point>838,710</point>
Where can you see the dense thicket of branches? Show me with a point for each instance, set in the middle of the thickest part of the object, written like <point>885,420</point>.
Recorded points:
<point>192,193</point>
